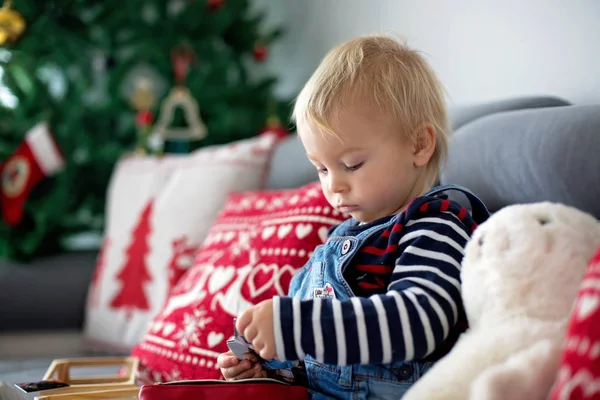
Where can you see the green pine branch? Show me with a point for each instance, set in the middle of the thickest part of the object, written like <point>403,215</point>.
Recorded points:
<point>73,67</point>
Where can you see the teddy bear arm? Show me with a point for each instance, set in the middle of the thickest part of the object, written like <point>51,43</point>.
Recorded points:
<point>527,375</point>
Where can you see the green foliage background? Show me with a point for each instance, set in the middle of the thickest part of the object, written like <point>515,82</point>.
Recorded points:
<point>76,65</point>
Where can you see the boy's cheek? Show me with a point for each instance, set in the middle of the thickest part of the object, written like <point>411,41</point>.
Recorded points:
<point>328,197</point>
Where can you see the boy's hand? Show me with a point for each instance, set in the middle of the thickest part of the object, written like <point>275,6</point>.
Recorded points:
<point>256,324</point>
<point>234,369</point>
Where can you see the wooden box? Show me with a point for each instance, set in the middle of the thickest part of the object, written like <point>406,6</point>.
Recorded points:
<point>118,386</point>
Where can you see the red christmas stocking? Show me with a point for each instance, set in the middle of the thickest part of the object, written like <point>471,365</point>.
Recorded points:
<point>38,156</point>
<point>579,374</point>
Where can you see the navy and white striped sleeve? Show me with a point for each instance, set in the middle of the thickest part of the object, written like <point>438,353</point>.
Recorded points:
<point>408,322</point>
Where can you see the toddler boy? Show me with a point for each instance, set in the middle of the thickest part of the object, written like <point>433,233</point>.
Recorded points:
<point>380,300</point>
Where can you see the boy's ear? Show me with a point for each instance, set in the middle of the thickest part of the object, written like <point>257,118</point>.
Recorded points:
<point>424,144</point>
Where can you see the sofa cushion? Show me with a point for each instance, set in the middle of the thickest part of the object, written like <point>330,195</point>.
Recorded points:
<point>290,167</point>
<point>159,210</point>
<point>251,253</point>
<point>544,154</point>
<point>462,115</point>
<point>48,293</point>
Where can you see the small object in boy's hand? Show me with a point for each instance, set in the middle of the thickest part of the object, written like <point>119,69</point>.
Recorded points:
<point>237,335</point>
<point>238,348</point>
<point>39,386</point>
<point>239,345</point>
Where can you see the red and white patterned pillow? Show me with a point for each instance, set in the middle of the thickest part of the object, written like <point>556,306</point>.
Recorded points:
<point>159,211</point>
<point>579,374</point>
<point>251,253</point>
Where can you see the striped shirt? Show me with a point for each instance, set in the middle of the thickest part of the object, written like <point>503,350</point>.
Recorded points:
<point>407,284</point>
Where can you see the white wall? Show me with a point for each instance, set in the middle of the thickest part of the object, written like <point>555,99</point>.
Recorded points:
<point>482,50</point>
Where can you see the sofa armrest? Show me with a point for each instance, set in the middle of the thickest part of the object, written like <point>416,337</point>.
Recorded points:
<point>47,294</point>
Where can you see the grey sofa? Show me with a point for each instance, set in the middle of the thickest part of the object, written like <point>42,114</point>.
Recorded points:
<point>511,151</point>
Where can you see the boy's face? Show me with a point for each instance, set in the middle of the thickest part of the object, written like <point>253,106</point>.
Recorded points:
<point>369,172</point>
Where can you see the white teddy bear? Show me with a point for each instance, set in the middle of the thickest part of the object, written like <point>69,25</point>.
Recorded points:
<point>520,276</point>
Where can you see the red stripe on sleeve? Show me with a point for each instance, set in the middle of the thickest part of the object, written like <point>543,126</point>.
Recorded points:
<point>424,207</point>
<point>392,248</point>
<point>377,269</point>
<point>368,286</point>
<point>462,214</point>
<point>397,228</point>
<point>445,205</point>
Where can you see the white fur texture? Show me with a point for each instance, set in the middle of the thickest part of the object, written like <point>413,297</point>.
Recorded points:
<point>520,277</point>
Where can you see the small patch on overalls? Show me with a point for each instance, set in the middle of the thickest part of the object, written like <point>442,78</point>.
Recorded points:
<point>324,292</point>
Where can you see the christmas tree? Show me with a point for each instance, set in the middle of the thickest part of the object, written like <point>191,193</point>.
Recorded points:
<point>131,295</point>
<point>80,66</point>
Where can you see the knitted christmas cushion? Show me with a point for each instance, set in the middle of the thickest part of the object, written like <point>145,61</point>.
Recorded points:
<point>258,242</point>
<point>579,374</point>
<point>159,210</point>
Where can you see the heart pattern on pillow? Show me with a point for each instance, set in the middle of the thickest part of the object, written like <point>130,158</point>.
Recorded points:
<point>579,375</point>
<point>250,254</point>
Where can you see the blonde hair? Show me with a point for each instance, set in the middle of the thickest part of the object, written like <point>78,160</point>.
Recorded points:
<point>396,78</point>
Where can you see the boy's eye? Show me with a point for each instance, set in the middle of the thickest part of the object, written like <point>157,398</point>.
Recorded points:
<point>321,170</point>
<point>354,167</point>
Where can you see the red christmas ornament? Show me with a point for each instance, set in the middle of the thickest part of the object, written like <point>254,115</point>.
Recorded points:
<point>215,5</point>
<point>274,126</point>
<point>260,52</point>
<point>144,118</point>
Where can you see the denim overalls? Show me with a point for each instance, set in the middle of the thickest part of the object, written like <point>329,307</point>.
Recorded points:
<point>324,271</point>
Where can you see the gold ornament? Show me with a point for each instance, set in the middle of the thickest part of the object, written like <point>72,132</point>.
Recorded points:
<point>12,24</point>
<point>180,97</point>
<point>143,97</point>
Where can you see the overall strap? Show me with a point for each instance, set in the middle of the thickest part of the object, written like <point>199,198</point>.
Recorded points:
<point>478,210</point>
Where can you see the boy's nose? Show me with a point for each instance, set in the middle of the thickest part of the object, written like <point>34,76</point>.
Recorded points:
<point>337,185</point>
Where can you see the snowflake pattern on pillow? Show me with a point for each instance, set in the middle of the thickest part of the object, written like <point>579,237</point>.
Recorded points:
<point>250,254</point>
